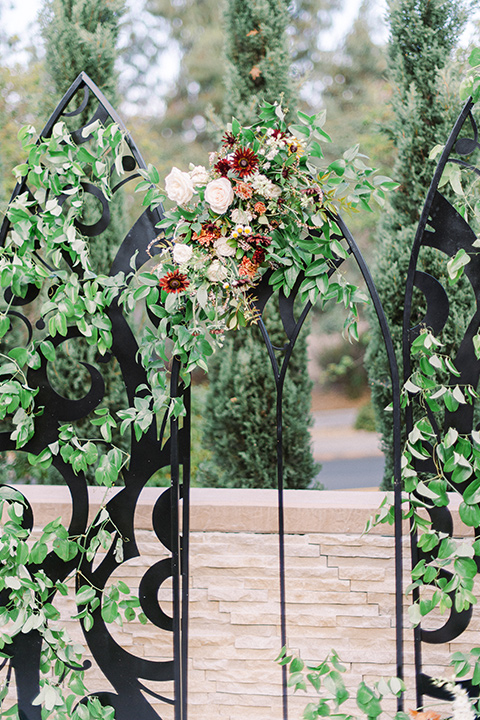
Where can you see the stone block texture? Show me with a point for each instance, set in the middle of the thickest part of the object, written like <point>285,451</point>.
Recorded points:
<point>340,589</point>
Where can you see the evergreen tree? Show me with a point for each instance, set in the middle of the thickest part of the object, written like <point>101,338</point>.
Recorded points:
<point>195,29</point>
<point>422,38</point>
<point>241,411</point>
<point>257,57</point>
<point>82,35</point>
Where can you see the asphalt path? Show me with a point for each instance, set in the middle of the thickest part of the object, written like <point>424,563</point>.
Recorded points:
<point>351,473</point>
<point>350,458</point>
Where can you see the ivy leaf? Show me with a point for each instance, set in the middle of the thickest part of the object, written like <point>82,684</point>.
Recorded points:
<point>85,595</point>
<point>456,264</point>
<point>469,514</point>
<point>471,494</point>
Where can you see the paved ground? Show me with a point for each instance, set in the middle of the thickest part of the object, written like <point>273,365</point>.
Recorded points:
<point>350,458</point>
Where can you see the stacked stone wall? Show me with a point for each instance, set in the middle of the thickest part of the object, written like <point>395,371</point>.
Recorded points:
<point>340,589</point>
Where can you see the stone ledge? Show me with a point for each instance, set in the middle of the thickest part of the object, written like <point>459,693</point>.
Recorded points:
<point>236,510</point>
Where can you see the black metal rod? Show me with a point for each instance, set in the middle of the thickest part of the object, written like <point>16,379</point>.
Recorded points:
<point>421,229</point>
<point>280,505</point>
<point>397,449</point>
<point>185,544</point>
<point>175,545</point>
<point>281,542</point>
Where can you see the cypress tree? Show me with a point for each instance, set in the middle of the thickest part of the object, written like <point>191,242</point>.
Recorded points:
<point>422,37</point>
<point>257,58</point>
<point>82,35</point>
<point>241,409</point>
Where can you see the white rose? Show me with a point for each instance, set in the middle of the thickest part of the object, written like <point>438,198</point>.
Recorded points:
<point>182,253</point>
<point>241,217</point>
<point>179,186</point>
<point>199,174</point>
<point>222,248</point>
<point>219,195</point>
<point>216,272</point>
<point>266,187</point>
<point>272,191</point>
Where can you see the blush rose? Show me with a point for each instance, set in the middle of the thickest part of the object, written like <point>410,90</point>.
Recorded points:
<point>219,195</point>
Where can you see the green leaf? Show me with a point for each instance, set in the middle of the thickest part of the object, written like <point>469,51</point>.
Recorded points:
<point>474,57</point>
<point>109,610</point>
<point>471,494</point>
<point>469,514</point>
<point>414,614</point>
<point>38,553</point>
<point>85,595</point>
<point>456,264</point>
<point>465,567</point>
<point>65,549</point>
<point>296,665</point>
<point>4,324</point>
<point>337,166</point>
<point>367,701</point>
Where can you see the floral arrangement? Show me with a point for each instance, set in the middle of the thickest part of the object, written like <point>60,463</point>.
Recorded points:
<point>266,203</point>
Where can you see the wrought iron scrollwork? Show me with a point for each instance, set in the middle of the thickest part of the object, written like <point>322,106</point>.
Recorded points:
<point>442,228</point>
<point>125,671</point>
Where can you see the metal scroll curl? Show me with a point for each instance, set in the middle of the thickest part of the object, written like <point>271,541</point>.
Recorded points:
<point>124,671</point>
<point>443,229</point>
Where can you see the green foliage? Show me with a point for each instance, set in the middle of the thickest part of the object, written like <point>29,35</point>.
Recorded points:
<point>422,38</point>
<point>449,564</point>
<point>257,56</point>
<point>342,366</point>
<point>327,680</point>
<point>199,453</point>
<point>240,414</point>
<point>82,35</point>
<point>186,130</point>
<point>283,186</point>
<point>471,85</point>
<point>45,249</point>
<point>257,69</point>
<point>365,419</point>
<point>29,604</point>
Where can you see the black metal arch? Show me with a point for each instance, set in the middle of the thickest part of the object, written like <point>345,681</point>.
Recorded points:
<point>125,671</point>
<point>292,328</point>
<point>442,228</point>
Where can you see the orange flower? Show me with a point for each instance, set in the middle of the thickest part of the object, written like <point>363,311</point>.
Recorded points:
<point>424,715</point>
<point>243,190</point>
<point>208,234</point>
<point>247,268</point>
<point>259,208</point>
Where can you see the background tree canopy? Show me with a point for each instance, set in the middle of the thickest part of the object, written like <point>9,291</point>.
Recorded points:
<point>168,78</point>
